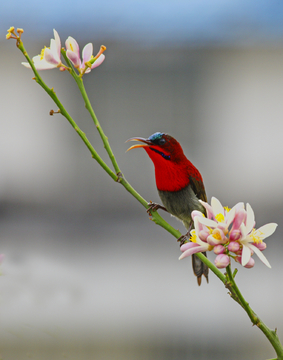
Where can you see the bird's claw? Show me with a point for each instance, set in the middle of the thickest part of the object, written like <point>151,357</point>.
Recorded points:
<point>154,207</point>
<point>184,238</point>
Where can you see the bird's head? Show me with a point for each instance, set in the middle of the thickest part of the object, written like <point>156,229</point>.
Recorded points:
<point>161,148</point>
<point>172,169</point>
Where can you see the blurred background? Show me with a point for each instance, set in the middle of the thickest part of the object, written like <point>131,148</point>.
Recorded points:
<point>86,275</point>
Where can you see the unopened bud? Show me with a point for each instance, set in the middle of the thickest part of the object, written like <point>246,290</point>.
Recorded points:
<point>222,261</point>
<point>250,263</point>
<point>219,249</point>
<point>261,245</point>
<point>234,246</point>
<point>235,235</point>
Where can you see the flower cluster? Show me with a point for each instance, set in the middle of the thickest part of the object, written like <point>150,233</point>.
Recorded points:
<point>50,58</point>
<point>230,233</point>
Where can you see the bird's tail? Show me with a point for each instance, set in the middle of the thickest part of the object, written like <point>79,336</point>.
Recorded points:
<point>199,268</point>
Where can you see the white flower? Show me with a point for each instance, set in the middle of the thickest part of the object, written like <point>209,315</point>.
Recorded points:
<point>250,236</point>
<point>73,54</point>
<point>222,218</point>
<point>49,58</point>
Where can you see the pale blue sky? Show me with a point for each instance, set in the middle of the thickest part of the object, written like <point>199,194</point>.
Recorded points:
<point>196,22</point>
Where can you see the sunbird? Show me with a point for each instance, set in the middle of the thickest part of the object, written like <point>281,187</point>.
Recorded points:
<point>179,184</point>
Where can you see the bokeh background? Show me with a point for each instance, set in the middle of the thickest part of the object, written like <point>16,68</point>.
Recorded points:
<point>86,275</point>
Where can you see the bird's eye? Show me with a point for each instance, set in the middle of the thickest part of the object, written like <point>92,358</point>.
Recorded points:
<point>161,141</point>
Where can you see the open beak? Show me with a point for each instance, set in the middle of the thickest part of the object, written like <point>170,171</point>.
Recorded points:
<point>146,142</point>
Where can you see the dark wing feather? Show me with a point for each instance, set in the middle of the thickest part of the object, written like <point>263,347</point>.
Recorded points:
<point>198,266</point>
<point>198,188</point>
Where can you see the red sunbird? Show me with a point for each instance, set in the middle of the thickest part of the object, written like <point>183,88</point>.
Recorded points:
<point>179,184</point>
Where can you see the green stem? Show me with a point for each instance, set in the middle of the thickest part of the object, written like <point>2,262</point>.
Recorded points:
<point>270,334</point>
<point>88,106</point>
<point>52,94</point>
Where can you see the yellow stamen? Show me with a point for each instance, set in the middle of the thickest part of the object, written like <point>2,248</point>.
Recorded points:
<point>220,217</point>
<point>20,31</point>
<point>12,28</point>
<point>256,238</point>
<point>42,53</point>
<point>193,237</point>
<point>227,208</point>
<point>8,36</point>
<point>216,235</point>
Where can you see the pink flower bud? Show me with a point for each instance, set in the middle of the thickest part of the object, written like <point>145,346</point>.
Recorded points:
<point>222,261</point>
<point>219,249</point>
<point>250,263</point>
<point>261,246</point>
<point>235,235</point>
<point>234,246</point>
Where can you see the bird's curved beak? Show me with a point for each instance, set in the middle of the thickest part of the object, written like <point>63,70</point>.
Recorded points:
<point>146,142</point>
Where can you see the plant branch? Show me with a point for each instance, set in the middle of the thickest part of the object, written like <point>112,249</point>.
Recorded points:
<point>63,111</point>
<point>270,334</point>
<point>88,106</point>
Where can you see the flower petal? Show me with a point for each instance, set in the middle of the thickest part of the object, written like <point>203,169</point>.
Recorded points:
<point>207,222</point>
<point>239,206</point>
<point>26,64</point>
<point>266,230</point>
<point>197,248</point>
<point>50,58</point>
<point>209,210</point>
<point>57,43</point>
<point>98,61</point>
<point>250,218</point>
<point>244,231</point>
<point>217,206</point>
<point>187,246</point>
<point>246,254</point>
<point>260,255</point>
<point>72,45</point>
<point>87,52</point>
<point>71,55</point>
<point>230,216</point>
<point>42,64</point>
<point>196,213</point>
<point>238,219</point>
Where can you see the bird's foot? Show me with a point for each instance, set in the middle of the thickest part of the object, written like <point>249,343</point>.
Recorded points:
<point>154,207</point>
<point>184,238</point>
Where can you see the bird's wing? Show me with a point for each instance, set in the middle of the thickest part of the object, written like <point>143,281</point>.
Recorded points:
<point>198,188</point>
